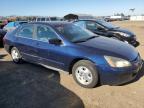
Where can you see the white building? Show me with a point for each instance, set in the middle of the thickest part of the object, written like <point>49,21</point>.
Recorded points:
<point>137,18</point>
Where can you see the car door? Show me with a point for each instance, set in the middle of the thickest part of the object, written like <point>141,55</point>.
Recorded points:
<point>49,54</point>
<point>96,28</point>
<point>25,42</point>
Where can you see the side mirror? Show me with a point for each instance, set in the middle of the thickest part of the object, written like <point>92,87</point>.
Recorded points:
<point>55,41</point>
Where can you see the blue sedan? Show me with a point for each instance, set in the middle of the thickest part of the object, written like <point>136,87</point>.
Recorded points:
<point>62,46</point>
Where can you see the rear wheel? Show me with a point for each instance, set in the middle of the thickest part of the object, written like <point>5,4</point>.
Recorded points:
<point>16,56</point>
<point>85,74</point>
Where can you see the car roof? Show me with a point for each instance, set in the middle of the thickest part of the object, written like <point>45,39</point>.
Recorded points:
<point>88,20</point>
<point>51,23</point>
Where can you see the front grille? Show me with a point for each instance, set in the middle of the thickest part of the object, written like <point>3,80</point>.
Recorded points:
<point>132,38</point>
<point>137,61</point>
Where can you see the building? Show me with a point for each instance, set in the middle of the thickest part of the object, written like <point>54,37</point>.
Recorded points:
<point>137,18</point>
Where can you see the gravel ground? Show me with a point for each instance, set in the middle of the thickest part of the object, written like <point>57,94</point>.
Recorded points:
<point>32,86</point>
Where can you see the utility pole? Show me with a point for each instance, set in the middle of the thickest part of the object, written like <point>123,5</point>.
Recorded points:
<point>132,10</point>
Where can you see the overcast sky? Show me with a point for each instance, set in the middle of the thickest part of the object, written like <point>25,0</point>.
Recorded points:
<point>63,7</point>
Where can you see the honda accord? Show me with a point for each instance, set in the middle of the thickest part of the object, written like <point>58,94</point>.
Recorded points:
<point>62,46</point>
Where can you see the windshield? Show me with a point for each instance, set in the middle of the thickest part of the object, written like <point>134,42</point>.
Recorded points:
<point>74,33</point>
<point>107,24</point>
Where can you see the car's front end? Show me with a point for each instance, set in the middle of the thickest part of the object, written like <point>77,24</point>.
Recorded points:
<point>133,41</point>
<point>126,36</point>
<point>116,61</point>
<point>122,72</point>
<point>120,33</point>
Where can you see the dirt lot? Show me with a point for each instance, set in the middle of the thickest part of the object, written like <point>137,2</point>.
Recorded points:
<point>32,86</point>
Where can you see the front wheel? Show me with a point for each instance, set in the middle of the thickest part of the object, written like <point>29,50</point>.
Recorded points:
<point>85,74</point>
<point>16,56</point>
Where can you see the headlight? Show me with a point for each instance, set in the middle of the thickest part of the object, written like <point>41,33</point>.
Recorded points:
<point>117,62</point>
<point>122,34</point>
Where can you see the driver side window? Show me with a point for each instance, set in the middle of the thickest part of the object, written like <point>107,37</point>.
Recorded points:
<point>44,33</point>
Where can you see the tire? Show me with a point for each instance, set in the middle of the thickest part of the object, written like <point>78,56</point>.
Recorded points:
<point>85,74</point>
<point>16,56</point>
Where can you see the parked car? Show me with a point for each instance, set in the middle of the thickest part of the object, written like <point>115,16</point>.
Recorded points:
<point>9,27</point>
<point>107,29</point>
<point>13,25</point>
<point>62,46</point>
<point>2,33</point>
<point>3,23</point>
<point>45,19</point>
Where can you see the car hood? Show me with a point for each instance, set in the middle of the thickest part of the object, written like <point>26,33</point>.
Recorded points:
<point>111,47</point>
<point>123,31</point>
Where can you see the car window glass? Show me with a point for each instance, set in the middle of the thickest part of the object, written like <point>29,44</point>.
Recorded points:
<point>74,33</point>
<point>16,24</point>
<point>38,19</point>
<point>26,31</point>
<point>43,19</point>
<point>44,33</point>
<point>91,25</point>
<point>11,24</point>
<point>80,23</point>
<point>47,19</point>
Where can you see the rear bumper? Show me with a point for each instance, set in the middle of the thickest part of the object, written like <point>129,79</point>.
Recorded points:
<point>110,76</point>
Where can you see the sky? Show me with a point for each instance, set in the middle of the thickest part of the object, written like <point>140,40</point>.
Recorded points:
<point>63,7</point>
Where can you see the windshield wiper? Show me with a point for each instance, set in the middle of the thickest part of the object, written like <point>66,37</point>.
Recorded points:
<point>79,41</point>
<point>91,37</point>
<point>86,39</point>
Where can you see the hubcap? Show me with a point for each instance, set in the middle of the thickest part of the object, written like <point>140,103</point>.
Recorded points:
<point>83,75</point>
<point>15,55</point>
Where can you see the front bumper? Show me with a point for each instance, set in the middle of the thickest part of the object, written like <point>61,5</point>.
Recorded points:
<point>133,41</point>
<point>114,76</point>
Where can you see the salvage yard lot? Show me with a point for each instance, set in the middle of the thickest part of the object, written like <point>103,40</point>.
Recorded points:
<point>32,86</point>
